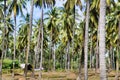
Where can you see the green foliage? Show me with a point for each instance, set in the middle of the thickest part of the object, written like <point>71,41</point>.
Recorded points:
<point>8,64</point>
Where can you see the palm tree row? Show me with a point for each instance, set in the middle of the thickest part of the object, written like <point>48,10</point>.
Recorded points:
<point>59,39</point>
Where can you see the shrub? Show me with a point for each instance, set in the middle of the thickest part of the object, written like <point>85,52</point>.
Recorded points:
<point>8,64</point>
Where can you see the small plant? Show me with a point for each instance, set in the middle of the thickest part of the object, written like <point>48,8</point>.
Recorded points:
<point>8,64</point>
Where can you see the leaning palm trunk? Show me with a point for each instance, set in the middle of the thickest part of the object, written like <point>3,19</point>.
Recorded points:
<point>29,37</point>
<point>86,42</point>
<point>41,24</point>
<point>102,39</point>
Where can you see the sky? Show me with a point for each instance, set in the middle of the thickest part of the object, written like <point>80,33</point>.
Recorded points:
<point>37,11</point>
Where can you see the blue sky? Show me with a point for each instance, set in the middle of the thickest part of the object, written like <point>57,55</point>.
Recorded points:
<point>37,11</point>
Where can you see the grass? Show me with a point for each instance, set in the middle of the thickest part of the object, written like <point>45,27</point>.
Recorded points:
<point>59,75</point>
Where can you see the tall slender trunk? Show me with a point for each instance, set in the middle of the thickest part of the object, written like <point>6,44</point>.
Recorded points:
<point>14,47</point>
<point>91,50</point>
<point>117,65</point>
<point>117,56</point>
<point>52,45</point>
<point>68,56</point>
<point>3,43</point>
<point>80,67</point>
<point>37,50</point>
<point>93,59</point>
<point>97,55</point>
<point>54,57</point>
<point>97,51</point>
<point>5,28</point>
<point>86,42</point>
<point>72,57</point>
<point>29,37</point>
<point>113,58</point>
<point>102,39</point>
<point>41,24</point>
<point>110,55</point>
<point>66,59</point>
<point>90,58</point>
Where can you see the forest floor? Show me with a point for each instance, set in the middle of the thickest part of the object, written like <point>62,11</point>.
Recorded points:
<point>59,75</point>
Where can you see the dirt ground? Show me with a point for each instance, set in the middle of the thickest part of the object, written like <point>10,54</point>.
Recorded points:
<point>45,76</point>
<point>59,76</point>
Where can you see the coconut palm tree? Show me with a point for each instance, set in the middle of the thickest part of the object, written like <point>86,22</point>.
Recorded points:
<point>23,34</point>
<point>67,19</point>
<point>52,27</point>
<point>42,4</point>
<point>94,13</point>
<point>29,37</point>
<point>3,51</point>
<point>16,7</point>
<point>102,39</point>
<point>94,16</point>
<point>86,40</point>
<point>6,29</point>
<point>113,33</point>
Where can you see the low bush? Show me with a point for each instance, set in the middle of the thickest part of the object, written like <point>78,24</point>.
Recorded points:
<point>8,64</point>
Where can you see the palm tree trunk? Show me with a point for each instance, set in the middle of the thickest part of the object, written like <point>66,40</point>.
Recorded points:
<point>68,55</point>
<point>66,59</point>
<point>90,58</point>
<point>52,45</point>
<point>97,52</point>
<point>80,67</point>
<point>37,50</point>
<point>14,47</point>
<point>117,56</point>
<point>1,67</point>
<point>41,24</point>
<point>5,37</point>
<point>117,65</point>
<point>97,55</point>
<point>3,44</point>
<point>93,65</point>
<point>91,51</point>
<point>86,42</point>
<point>102,39</point>
<point>72,59</point>
<point>110,56</point>
<point>29,37</point>
<point>54,57</point>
